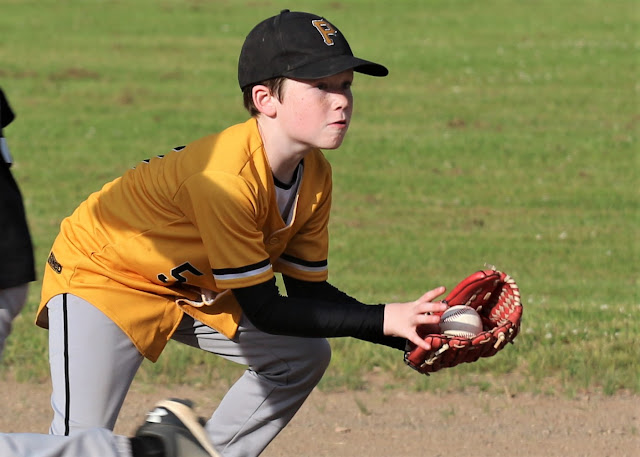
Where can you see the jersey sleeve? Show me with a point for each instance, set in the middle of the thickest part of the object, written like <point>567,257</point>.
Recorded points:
<point>225,209</point>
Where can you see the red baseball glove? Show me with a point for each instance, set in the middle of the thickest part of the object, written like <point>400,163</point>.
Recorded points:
<point>495,296</point>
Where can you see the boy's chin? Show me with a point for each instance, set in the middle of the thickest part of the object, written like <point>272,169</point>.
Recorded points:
<point>329,145</point>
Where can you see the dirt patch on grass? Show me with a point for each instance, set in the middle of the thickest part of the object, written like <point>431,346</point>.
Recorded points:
<point>388,423</point>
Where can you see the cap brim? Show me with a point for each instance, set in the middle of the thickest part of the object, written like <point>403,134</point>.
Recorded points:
<point>335,65</point>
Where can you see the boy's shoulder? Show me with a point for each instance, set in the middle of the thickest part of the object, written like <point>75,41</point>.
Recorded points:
<point>237,135</point>
<point>238,151</point>
<point>234,144</point>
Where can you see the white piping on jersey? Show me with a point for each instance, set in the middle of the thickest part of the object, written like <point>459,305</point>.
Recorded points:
<point>298,266</point>
<point>244,274</point>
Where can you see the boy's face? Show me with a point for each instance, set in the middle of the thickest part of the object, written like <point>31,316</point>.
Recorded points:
<point>316,113</point>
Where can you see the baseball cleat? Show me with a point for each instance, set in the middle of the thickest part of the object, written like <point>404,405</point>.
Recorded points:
<point>176,426</point>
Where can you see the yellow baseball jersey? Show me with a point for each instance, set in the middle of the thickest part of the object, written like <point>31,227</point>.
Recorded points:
<point>175,234</point>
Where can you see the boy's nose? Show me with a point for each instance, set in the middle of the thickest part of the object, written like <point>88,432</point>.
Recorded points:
<point>341,100</point>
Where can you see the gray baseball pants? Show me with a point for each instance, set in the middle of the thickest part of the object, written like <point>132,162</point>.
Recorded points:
<point>98,442</point>
<point>93,364</point>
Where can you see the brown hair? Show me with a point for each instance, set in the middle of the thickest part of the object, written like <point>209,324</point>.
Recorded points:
<point>274,85</point>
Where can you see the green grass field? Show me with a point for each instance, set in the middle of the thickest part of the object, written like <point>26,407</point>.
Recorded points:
<point>506,133</point>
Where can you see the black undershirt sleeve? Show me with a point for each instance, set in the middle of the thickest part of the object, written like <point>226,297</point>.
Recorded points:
<point>313,309</point>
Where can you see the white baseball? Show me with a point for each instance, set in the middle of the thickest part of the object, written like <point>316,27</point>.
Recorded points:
<point>461,320</point>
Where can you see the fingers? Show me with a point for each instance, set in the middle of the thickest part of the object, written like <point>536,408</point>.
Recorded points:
<point>425,317</point>
<point>428,319</point>
<point>428,307</point>
<point>432,294</point>
<point>420,342</point>
<point>404,319</point>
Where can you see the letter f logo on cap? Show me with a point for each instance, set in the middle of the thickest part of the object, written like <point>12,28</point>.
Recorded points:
<point>326,30</point>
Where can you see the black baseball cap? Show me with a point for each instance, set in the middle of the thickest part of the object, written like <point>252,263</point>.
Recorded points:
<point>298,45</point>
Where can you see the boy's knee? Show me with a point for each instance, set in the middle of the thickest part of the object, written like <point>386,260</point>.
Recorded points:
<point>302,364</point>
<point>323,354</point>
<point>316,358</point>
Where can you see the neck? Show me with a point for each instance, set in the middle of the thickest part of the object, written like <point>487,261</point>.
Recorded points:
<point>283,156</point>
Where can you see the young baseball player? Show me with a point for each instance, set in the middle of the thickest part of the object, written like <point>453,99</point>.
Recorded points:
<point>186,247</point>
<point>17,268</point>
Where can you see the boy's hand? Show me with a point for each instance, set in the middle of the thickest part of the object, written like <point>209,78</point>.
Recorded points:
<point>404,319</point>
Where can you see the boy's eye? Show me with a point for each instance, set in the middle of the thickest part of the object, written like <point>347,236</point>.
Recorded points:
<point>325,86</point>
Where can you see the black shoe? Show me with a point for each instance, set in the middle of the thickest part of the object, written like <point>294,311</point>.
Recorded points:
<point>176,426</point>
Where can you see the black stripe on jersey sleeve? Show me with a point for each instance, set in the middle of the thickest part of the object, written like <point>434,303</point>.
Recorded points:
<point>304,263</point>
<point>240,270</point>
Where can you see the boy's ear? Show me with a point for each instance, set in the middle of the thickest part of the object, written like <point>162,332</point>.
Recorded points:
<point>264,100</point>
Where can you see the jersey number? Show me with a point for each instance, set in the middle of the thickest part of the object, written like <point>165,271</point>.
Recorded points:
<point>177,273</point>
